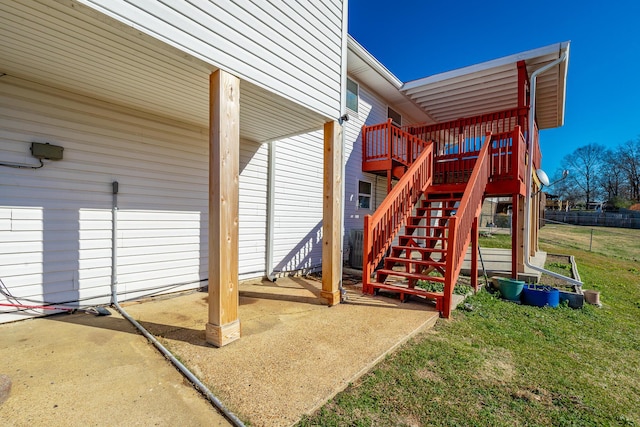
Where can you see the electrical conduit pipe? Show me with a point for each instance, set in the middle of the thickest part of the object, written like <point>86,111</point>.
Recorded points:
<point>166,353</point>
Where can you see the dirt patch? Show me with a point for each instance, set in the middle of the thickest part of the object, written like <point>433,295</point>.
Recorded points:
<point>560,264</point>
<point>498,367</point>
<point>427,374</point>
<point>534,395</point>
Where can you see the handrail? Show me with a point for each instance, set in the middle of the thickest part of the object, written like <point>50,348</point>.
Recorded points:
<point>463,135</point>
<point>385,141</point>
<point>461,223</point>
<point>381,228</point>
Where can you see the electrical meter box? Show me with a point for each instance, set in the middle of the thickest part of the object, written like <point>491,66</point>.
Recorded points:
<point>46,151</point>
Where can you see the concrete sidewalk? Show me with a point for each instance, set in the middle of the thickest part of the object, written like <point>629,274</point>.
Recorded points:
<point>293,356</point>
<point>497,262</point>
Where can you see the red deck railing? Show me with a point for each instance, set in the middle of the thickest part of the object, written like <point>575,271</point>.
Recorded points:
<point>381,228</point>
<point>456,147</point>
<point>460,225</point>
<point>537,155</point>
<point>385,142</point>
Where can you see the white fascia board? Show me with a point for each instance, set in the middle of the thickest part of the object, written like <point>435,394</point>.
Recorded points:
<point>495,63</point>
<point>371,61</point>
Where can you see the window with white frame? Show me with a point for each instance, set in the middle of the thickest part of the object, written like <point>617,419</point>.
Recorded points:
<point>352,95</point>
<point>364,195</point>
<point>396,118</point>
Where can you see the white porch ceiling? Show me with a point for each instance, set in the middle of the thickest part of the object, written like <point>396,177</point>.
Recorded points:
<point>70,46</point>
<point>493,86</point>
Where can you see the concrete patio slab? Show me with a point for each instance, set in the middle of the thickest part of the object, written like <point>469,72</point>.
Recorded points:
<point>82,370</point>
<point>293,356</point>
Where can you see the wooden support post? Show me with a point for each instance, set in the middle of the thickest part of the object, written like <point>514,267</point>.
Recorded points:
<point>474,254</point>
<point>521,236</point>
<point>331,213</point>
<point>515,236</point>
<point>224,148</point>
<point>533,227</point>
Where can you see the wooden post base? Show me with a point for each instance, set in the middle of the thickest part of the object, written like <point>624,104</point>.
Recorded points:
<point>219,336</point>
<point>332,297</point>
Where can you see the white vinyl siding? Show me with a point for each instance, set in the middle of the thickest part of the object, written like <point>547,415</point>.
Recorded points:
<point>253,209</point>
<point>372,110</point>
<point>55,222</point>
<point>291,48</point>
<point>298,204</point>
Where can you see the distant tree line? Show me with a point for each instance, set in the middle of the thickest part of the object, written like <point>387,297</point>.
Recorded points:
<point>597,173</point>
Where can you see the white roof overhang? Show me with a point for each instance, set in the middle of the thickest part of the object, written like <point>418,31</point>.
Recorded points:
<point>364,67</point>
<point>493,86</point>
<point>72,47</point>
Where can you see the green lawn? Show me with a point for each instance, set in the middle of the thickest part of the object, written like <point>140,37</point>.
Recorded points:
<point>507,364</point>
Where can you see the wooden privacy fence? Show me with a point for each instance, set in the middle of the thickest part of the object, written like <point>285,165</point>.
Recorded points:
<point>602,219</point>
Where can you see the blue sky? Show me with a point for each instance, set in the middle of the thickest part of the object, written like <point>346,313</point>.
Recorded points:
<point>415,39</point>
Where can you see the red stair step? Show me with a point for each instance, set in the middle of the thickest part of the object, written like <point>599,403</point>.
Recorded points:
<point>420,249</point>
<point>437,296</point>
<point>415,261</point>
<point>415,276</point>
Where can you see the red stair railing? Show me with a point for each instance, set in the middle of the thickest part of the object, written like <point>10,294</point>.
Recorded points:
<point>461,223</point>
<point>382,227</point>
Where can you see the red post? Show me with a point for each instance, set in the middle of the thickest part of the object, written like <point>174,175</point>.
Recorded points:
<point>474,254</point>
<point>389,141</point>
<point>450,267</point>
<point>366,255</point>
<point>515,152</point>
<point>364,143</point>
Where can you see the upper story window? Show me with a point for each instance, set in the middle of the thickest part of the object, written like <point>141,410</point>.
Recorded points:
<point>396,118</point>
<point>352,95</point>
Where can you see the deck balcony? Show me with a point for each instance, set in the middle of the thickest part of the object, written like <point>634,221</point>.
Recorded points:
<point>389,150</point>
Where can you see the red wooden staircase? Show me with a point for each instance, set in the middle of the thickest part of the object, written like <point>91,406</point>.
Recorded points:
<point>437,227</point>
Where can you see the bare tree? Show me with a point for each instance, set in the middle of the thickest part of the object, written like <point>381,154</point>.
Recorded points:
<point>628,155</point>
<point>611,177</point>
<point>583,165</point>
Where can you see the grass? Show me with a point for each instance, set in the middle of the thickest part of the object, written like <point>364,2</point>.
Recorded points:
<point>507,364</point>
<point>501,241</point>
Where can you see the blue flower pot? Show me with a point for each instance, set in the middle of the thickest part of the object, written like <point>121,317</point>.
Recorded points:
<point>540,295</point>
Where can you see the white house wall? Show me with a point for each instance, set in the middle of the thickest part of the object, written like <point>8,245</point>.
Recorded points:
<point>294,49</point>
<point>252,209</point>
<point>371,110</point>
<point>55,222</point>
<point>298,204</point>
<point>299,186</point>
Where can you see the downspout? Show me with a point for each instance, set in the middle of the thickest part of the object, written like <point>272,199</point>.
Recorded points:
<point>271,188</point>
<point>529,177</point>
<point>344,118</point>
<point>343,292</point>
<point>166,353</point>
